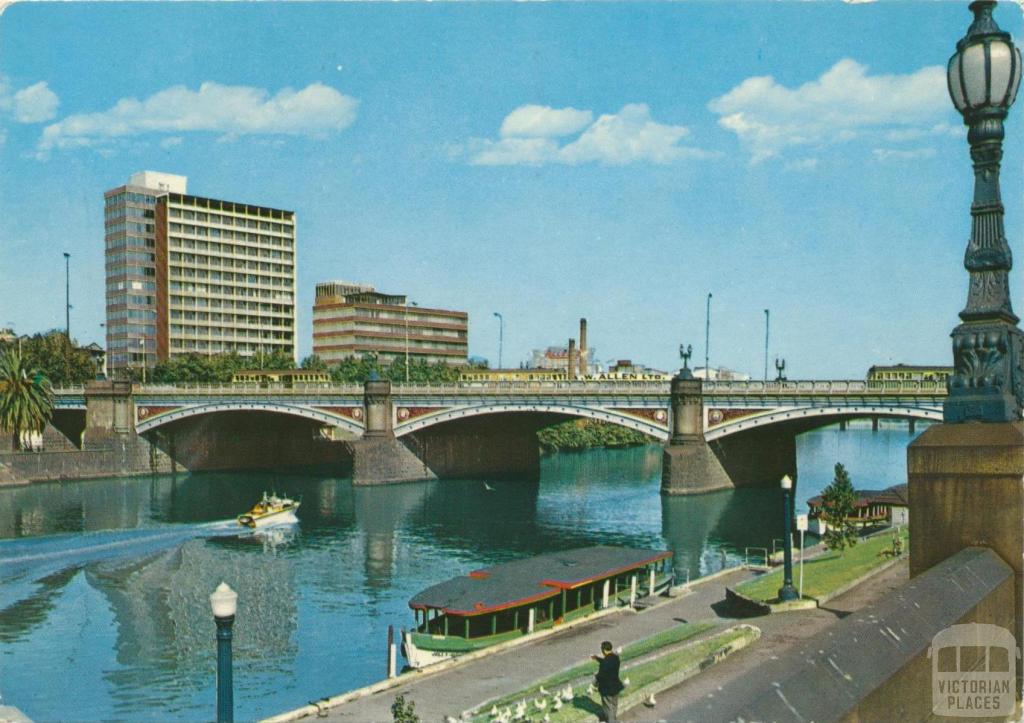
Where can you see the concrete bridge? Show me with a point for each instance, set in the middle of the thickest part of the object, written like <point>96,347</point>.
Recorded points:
<point>406,431</point>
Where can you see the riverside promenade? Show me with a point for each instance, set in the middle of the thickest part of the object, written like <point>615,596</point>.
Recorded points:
<point>462,687</point>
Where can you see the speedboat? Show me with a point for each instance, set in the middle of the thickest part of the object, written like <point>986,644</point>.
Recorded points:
<point>270,510</point>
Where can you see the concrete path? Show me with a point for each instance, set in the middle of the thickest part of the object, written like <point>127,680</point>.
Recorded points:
<point>452,691</point>
<point>695,700</point>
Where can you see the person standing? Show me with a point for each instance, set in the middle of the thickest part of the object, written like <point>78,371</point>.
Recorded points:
<point>608,683</point>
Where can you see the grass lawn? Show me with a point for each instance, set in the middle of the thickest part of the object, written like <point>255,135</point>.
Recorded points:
<point>586,705</point>
<point>632,651</point>
<point>827,572</point>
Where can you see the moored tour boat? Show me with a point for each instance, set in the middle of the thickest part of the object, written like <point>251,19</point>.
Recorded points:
<point>513,599</point>
<point>270,510</point>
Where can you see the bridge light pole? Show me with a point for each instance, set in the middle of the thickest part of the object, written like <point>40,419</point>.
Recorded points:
<point>988,348</point>
<point>787,592</point>
<point>766,317</point>
<point>501,335</point>
<point>707,338</point>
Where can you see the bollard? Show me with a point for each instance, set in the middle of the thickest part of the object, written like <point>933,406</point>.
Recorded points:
<point>391,650</point>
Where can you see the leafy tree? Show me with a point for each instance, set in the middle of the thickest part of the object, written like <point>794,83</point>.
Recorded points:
<point>56,357</point>
<point>588,433</point>
<point>837,503</point>
<point>26,397</point>
<point>402,712</point>
<point>313,363</point>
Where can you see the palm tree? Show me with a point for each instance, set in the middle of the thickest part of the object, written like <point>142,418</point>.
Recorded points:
<point>26,397</point>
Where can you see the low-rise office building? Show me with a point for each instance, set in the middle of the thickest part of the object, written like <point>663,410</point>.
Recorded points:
<point>354,320</point>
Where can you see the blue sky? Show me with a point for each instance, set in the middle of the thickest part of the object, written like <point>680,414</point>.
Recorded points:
<point>544,160</point>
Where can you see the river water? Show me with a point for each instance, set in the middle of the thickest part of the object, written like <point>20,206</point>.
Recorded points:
<point>104,584</point>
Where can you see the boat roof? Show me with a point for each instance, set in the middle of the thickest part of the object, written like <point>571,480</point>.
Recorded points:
<point>520,582</point>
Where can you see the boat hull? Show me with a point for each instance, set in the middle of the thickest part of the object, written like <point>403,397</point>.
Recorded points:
<point>276,517</point>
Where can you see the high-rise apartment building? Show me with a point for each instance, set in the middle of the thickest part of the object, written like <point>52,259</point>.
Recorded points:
<point>189,274</point>
<point>352,320</point>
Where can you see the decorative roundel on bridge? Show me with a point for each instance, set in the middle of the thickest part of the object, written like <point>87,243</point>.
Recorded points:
<point>357,413</point>
<point>143,411</point>
<point>660,415</point>
<point>715,416</point>
<point>403,413</point>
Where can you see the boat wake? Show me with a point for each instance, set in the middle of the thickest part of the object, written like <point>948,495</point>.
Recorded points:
<point>74,548</point>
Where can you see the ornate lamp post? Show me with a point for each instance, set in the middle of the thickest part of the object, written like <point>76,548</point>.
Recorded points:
<point>224,602</point>
<point>787,592</point>
<point>988,348</point>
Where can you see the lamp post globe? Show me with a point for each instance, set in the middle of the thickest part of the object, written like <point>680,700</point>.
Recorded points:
<point>787,592</point>
<point>987,384</point>
<point>224,602</point>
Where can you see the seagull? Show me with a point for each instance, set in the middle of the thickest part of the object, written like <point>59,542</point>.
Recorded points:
<point>649,701</point>
<point>567,693</point>
<point>541,703</point>
<point>488,487</point>
<point>494,711</point>
<point>540,690</point>
<point>625,681</point>
<point>449,719</point>
<point>557,705</point>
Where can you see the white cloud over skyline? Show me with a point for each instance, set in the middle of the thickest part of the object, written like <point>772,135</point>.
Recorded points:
<point>231,110</point>
<point>35,104</point>
<point>615,139</point>
<point>541,121</point>
<point>844,101</point>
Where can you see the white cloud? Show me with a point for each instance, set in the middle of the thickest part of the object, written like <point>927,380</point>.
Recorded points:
<point>35,104</point>
<point>533,121</point>
<point>804,164</point>
<point>899,154</point>
<point>232,110</point>
<point>839,106</point>
<point>629,136</point>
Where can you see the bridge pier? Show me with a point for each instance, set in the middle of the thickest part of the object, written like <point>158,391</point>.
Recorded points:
<point>109,412</point>
<point>378,457</point>
<point>689,464</point>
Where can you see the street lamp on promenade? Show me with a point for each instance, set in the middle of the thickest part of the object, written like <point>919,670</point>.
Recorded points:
<point>988,348</point>
<point>501,335</point>
<point>787,592</point>
<point>224,602</point>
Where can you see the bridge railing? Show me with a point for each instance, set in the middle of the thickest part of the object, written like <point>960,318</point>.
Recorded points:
<point>535,387</point>
<point>712,387</point>
<point>840,386</point>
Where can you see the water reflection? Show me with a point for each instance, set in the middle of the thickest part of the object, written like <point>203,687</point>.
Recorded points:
<point>124,568</point>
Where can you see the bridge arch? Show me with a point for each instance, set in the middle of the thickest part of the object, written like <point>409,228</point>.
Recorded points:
<point>295,410</point>
<point>604,415</point>
<point>828,415</point>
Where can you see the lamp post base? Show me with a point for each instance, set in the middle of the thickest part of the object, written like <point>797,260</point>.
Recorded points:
<point>788,593</point>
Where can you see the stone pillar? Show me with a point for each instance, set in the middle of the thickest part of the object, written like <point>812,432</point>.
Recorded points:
<point>966,488</point>
<point>377,410</point>
<point>911,426</point>
<point>604,594</point>
<point>531,619</point>
<point>109,411</point>
<point>689,465</point>
<point>378,457</point>
<point>632,591</point>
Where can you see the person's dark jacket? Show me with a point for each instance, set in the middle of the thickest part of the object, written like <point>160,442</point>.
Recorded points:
<point>608,682</point>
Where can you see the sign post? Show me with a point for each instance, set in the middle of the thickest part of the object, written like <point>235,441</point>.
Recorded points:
<point>801,524</point>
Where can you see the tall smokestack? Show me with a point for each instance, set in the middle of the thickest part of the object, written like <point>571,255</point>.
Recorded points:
<point>572,359</point>
<point>583,347</point>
